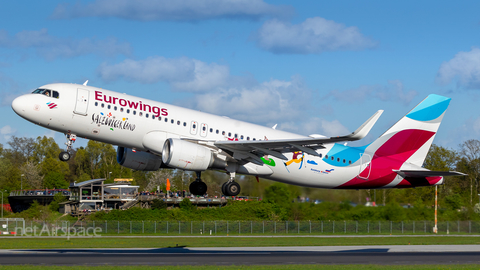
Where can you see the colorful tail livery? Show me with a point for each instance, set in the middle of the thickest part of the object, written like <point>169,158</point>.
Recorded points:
<point>394,160</point>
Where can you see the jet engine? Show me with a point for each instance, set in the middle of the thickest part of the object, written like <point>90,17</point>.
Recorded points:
<point>180,154</point>
<point>138,160</point>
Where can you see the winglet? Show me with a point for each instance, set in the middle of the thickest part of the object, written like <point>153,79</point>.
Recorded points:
<point>365,128</point>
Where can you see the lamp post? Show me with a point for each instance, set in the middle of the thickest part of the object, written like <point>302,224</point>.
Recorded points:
<point>21,181</point>
<point>2,202</point>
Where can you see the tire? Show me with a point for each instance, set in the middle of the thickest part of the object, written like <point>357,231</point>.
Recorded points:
<point>198,188</point>
<point>233,189</point>
<point>224,191</point>
<point>202,188</point>
<point>64,156</point>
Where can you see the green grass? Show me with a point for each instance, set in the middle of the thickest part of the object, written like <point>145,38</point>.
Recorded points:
<point>155,242</point>
<point>255,267</point>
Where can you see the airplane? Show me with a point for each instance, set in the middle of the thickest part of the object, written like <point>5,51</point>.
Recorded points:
<point>151,135</point>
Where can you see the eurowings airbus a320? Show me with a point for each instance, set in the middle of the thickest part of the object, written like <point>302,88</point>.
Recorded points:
<point>151,135</point>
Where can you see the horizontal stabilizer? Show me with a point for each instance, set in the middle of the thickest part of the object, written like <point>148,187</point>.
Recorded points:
<point>427,173</point>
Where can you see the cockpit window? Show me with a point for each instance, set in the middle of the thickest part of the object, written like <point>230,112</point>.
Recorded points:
<point>46,92</point>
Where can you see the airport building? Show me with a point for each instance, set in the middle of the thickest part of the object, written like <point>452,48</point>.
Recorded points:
<point>94,195</point>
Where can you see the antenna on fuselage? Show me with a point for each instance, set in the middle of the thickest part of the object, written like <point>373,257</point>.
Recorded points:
<point>85,83</point>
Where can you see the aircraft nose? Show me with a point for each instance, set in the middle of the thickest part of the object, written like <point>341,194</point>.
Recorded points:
<point>18,105</point>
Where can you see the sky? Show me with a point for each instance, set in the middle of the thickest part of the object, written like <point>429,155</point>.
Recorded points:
<point>312,67</point>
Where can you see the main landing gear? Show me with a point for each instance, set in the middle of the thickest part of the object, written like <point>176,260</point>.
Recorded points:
<point>198,187</point>
<point>65,155</point>
<point>229,188</point>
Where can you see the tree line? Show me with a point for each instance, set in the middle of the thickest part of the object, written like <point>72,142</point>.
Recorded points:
<point>30,163</point>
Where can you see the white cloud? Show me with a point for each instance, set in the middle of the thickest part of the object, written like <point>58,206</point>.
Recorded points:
<point>272,101</point>
<point>178,10</point>
<point>316,125</point>
<point>314,35</point>
<point>183,73</point>
<point>464,67</point>
<point>394,91</point>
<point>51,47</point>
<point>6,132</point>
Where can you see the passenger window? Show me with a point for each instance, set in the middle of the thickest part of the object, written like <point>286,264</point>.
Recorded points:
<point>326,156</point>
<point>236,136</point>
<point>166,120</point>
<point>153,116</point>
<point>248,138</point>
<point>349,162</point>
<point>121,109</point>
<point>172,121</point>
<point>134,112</point>
<point>159,118</point>
<point>146,115</point>
<point>211,130</point>
<point>344,161</point>
<point>103,105</point>
<point>229,134</point>
<point>338,159</point>
<point>332,158</point>
<point>223,133</point>
<point>253,139</point>
<point>128,110</point>
<point>217,131</point>
<point>241,137</point>
<point>184,124</point>
<point>178,123</point>
<point>115,108</point>
<point>96,103</point>
<point>108,107</point>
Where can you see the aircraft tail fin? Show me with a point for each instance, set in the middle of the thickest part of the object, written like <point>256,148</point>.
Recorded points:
<point>411,137</point>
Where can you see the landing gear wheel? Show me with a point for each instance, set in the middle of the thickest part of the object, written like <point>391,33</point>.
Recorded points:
<point>233,189</point>
<point>198,188</point>
<point>224,191</point>
<point>71,138</point>
<point>64,156</point>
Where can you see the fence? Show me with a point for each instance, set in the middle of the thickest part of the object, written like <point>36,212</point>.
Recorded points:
<point>11,225</point>
<point>251,227</point>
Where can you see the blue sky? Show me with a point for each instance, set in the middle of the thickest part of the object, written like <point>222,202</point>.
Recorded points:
<point>312,67</point>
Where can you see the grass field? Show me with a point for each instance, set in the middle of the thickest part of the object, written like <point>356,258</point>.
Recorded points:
<point>259,267</point>
<point>157,242</point>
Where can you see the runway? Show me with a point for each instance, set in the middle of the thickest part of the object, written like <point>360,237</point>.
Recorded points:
<point>387,255</point>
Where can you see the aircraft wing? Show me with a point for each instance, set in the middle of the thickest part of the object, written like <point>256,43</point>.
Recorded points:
<point>254,149</point>
<point>427,173</point>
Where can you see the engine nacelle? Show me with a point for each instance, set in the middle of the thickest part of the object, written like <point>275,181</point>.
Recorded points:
<point>141,161</point>
<point>180,154</point>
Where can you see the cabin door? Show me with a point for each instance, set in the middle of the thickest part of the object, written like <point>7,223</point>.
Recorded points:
<point>365,166</point>
<point>82,102</point>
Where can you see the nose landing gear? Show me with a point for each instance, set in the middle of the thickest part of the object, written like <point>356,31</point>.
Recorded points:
<point>65,155</point>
